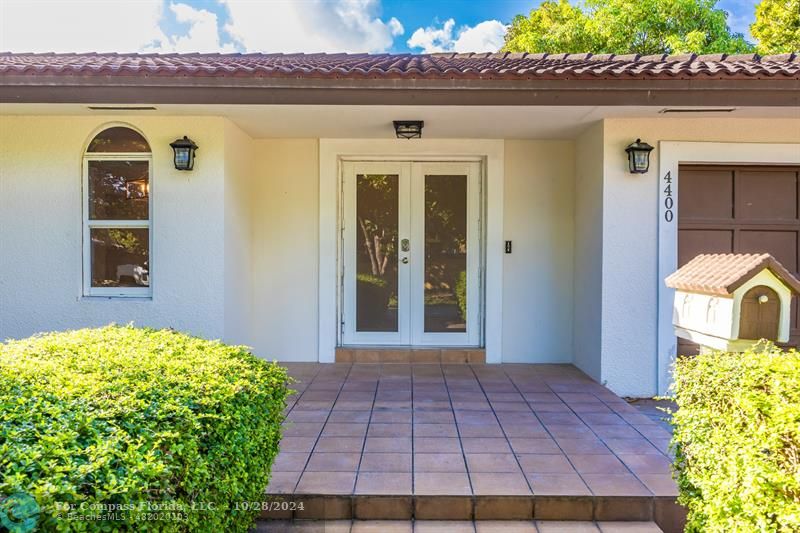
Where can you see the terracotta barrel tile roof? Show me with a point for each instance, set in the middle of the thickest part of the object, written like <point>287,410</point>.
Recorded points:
<point>504,66</point>
<point>722,274</point>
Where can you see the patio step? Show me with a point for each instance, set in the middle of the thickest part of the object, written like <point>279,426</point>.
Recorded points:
<point>661,510</point>
<point>454,526</point>
<point>410,355</point>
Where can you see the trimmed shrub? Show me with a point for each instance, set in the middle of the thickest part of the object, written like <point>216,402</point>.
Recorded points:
<point>461,293</point>
<point>737,440</point>
<point>128,419</point>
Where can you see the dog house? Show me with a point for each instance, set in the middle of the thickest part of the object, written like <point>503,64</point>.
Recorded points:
<point>730,301</point>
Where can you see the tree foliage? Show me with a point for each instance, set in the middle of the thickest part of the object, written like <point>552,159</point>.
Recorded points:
<point>625,26</point>
<point>777,26</point>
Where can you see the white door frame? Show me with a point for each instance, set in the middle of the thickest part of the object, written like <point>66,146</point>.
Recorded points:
<point>672,154</point>
<point>331,154</point>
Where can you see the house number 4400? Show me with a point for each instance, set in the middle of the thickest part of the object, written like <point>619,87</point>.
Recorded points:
<point>669,202</point>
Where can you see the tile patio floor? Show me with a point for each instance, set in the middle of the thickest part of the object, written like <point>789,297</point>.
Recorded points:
<point>455,526</point>
<point>465,430</point>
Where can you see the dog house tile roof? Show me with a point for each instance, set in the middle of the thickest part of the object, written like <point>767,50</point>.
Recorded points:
<point>722,274</point>
<point>449,66</point>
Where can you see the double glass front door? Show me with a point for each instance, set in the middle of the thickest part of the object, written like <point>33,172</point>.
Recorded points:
<point>411,268</point>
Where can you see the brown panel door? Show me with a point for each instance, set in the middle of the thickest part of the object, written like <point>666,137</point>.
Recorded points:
<point>740,209</point>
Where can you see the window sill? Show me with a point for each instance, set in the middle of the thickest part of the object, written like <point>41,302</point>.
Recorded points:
<point>130,298</point>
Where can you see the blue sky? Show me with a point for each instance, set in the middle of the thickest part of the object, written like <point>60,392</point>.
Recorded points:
<point>271,25</point>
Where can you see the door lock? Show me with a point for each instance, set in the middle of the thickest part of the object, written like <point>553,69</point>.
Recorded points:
<point>405,245</point>
<point>404,260</point>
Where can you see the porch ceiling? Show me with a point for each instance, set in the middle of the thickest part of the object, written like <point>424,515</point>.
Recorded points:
<point>375,122</point>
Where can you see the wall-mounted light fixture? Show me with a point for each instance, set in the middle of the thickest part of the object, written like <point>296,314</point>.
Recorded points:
<point>184,153</point>
<point>638,156</point>
<point>408,129</point>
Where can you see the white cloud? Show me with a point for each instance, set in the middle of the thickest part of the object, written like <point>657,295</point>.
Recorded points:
<point>78,25</point>
<point>486,36</point>
<point>202,37</point>
<point>311,26</point>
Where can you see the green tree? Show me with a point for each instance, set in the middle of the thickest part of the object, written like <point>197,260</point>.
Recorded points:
<point>625,26</point>
<point>777,26</point>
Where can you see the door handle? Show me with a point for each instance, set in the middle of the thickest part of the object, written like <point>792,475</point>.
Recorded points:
<point>404,260</point>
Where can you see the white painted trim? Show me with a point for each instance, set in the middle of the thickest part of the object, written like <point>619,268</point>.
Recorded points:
<point>671,154</point>
<point>333,151</point>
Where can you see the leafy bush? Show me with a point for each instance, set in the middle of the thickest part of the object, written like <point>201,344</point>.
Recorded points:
<point>369,279</point>
<point>138,419</point>
<point>737,440</point>
<point>461,293</point>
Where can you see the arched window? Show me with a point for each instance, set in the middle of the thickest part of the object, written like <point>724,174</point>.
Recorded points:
<point>117,211</point>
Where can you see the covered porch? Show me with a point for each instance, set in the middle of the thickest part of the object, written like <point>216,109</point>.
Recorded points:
<point>468,442</point>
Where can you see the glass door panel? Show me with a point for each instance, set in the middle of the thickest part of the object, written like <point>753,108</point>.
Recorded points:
<point>445,280</point>
<point>376,235</point>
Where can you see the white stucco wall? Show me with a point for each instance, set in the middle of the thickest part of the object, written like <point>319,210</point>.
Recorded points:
<point>239,211</point>
<point>537,275</point>
<point>588,265</point>
<point>41,225</point>
<point>285,247</point>
<point>630,236</point>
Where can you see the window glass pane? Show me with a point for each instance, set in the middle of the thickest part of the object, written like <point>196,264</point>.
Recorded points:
<point>119,190</point>
<point>118,139</point>
<point>445,254</point>
<point>120,257</point>
<point>377,198</point>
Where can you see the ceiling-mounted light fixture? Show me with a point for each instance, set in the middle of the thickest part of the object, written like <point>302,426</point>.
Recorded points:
<point>408,129</point>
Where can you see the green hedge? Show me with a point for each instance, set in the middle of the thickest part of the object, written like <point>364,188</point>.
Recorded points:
<point>737,440</point>
<point>461,293</point>
<point>138,419</point>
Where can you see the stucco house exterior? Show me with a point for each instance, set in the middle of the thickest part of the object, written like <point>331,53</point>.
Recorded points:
<point>513,230</point>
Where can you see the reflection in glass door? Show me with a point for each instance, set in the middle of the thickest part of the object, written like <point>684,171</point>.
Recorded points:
<point>411,254</point>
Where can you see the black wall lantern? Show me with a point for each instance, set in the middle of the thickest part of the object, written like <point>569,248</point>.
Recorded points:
<point>184,153</point>
<point>638,156</point>
<point>408,129</point>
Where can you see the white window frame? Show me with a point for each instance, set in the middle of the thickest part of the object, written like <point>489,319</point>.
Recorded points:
<point>88,225</point>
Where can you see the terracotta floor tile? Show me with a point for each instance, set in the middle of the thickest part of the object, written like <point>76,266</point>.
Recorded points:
<point>647,463</point>
<point>506,484</point>
<point>385,462</point>
<point>554,526</point>
<point>383,483</point>
<point>480,430</point>
<point>282,482</point>
<point>435,430</point>
<point>391,417</point>
<point>439,462</point>
<point>526,445</point>
<point>659,484</point>
<point>582,446</point>
<point>485,462</point>
<point>388,444</point>
<point>297,444</point>
<point>524,430</point>
<point>504,526</point>
<point>339,444</point>
<point>443,526</point>
<point>302,429</point>
<point>389,430</point>
<point>597,464</point>
<point>290,462</point>
<point>344,429</point>
<point>559,419</point>
<point>550,408</point>
<point>615,432</point>
<point>558,485</point>
<point>434,417</point>
<point>333,462</point>
<point>570,431</point>
<point>628,527</point>
<point>344,405</point>
<point>615,485</point>
<point>361,417</point>
<point>436,445</point>
<point>308,416</point>
<point>545,464</point>
<point>441,483</point>
<point>485,445</point>
<point>326,483</point>
<point>631,446</point>
<point>382,526</point>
